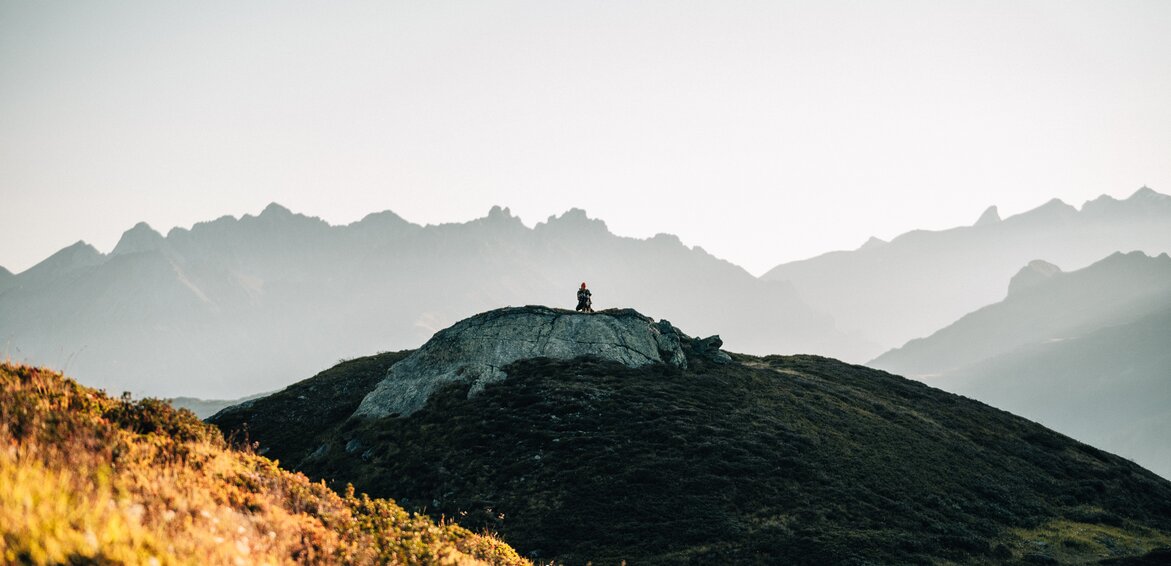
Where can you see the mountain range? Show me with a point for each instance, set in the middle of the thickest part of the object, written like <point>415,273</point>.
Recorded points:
<point>888,293</point>
<point>1086,352</point>
<point>236,306</point>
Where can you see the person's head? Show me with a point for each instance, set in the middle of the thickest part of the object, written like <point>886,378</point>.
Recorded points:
<point>583,284</point>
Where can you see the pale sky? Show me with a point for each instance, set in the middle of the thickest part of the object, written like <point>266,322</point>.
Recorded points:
<point>762,131</point>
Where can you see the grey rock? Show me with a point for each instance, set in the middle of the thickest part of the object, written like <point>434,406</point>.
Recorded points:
<point>476,349</point>
<point>319,453</point>
<point>353,445</point>
<point>709,348</point>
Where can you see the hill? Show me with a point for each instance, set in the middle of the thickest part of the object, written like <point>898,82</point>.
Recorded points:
<point>203,408</point>
<point>241,305</point>
<point>712,458</point>
<point>1084,352</point>
<point>89,479</point>
<point>921,281</point>
<point>1109,387</point>
<point>1043,305</point>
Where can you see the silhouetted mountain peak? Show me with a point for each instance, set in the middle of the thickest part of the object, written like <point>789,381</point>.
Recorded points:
<point>1144,202</point>
<point>275,210</point>
<point>4,273</point>
<point>502,216</point>
<point>78,255</point>
<point>1048,212</point>
<point>1147,193</point>
<point>573,222</point>
<point>382,224</point>
<point>275,217</point>
<point>873,243</point>
<point>140,238</point>
<point>1032,275</point>
<point>991,216</point>
<point>667,240</point>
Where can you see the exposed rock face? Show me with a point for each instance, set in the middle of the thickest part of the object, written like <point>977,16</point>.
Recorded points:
<point>475,349</point>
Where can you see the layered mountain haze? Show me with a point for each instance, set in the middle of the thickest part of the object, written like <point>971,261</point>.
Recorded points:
<point>1043,305</point>
<point>610,436</point>
<point>921,281</point>
<point>235,306</point>
<point>5,278</point>
<point>1085,352</point>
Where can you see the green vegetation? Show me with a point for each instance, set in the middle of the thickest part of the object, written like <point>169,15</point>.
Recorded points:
<point>92,479</point>
<point>783,459</point>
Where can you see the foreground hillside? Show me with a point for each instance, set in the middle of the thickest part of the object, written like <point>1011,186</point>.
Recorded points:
<point>780,459</point>
<point>88,479</point>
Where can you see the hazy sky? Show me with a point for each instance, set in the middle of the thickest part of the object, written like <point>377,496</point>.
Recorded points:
<point>762,131</point>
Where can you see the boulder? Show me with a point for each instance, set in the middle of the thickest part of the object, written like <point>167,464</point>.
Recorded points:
<point>477,349</point>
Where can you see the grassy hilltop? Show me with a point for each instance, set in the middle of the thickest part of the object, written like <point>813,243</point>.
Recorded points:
<point>90,479</point>
<point>774,460</point>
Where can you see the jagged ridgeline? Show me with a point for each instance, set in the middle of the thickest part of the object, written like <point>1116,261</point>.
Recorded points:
<point>611,437</point>
<point>89,479</point>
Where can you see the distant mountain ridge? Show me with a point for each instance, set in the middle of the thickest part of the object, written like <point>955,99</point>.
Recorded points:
<point>923,280</point>
<point>1115,290</point>
<point>235,306</point>
<point>1086,352</point>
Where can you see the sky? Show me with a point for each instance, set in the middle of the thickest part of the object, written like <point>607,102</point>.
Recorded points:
<point>764,132</point>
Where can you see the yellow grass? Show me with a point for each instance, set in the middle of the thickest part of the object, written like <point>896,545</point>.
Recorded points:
<point>86,477</point>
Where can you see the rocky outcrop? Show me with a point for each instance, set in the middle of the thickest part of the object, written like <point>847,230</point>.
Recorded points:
<point>477,349</point>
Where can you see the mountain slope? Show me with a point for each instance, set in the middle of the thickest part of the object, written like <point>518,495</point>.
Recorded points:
<point>781,459</point>
<point>1084,352</point>
<point>1056,306</point>
<point>921,281</point>
<point>235,306</point>
<point>93,480</point>
<point>1109,387</point>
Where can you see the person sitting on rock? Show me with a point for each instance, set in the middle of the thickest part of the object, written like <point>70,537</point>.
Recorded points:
<point>584,303</point>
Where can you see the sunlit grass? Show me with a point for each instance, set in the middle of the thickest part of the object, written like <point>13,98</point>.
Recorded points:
<point>1072,542</point>
<point>90,478</point>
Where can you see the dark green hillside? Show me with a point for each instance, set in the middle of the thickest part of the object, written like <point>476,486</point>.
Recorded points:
<point>796,460</point>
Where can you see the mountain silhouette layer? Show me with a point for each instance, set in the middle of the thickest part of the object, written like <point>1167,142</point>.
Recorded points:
<point>1085,352</point>
<point>237,306</point>
<point>727,459</point>
<point>924,280</point>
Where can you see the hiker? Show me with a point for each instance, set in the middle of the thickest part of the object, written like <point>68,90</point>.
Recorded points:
<point>584,303</point>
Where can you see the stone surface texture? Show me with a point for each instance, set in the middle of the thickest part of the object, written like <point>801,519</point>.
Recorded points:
<point>476,349</point>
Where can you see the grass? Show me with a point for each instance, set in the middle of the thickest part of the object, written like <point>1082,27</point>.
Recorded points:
<point>782,459</point>
<point>88,478</point>
<point>1069,542</point>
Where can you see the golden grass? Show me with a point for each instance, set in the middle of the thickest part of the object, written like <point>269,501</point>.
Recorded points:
<point>89,478</point>
<point>1072,542</point>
